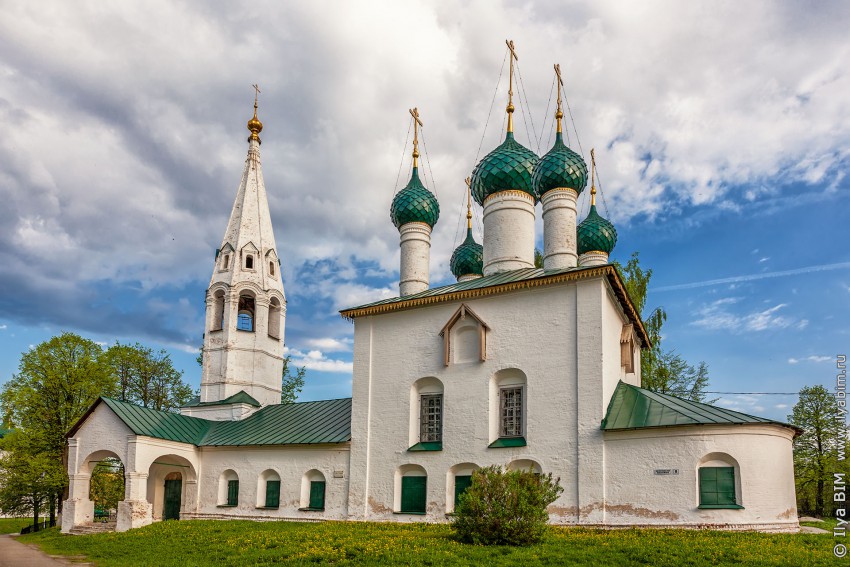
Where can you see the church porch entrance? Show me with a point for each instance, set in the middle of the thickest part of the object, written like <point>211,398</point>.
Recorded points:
<point>172,497</point>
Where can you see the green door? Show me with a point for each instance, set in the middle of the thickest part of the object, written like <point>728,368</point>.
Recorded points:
<point>173,489</point>
<point>461,484</point>
<point>413,493</point>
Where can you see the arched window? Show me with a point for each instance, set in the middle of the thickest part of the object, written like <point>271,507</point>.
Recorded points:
<point>313,491</point>
<point>249,262</point>
<point>719,482</point>
<point>271,268</point>
<point>228,488</point>
<point>411,484</point>
<point>274,318</point>
<point>426,415</point>
<point>508,393</point>
<point>218,311</point>
<point>268,489</point>
<point>245,320</point>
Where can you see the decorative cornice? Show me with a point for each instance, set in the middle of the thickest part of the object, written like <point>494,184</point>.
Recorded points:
<point>607,271</point>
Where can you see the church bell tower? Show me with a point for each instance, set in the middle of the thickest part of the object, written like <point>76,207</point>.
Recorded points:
<point>245,302</point>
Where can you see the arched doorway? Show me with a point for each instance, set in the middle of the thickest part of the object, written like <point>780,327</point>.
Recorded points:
<point>172,493</point>
<point>106,486</point>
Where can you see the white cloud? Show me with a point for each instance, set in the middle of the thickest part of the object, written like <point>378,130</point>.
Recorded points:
<point>812,358</point>
<point>716,317</point>
<point>328,344</point>
<point>316,360</point>
<point>4,327</point>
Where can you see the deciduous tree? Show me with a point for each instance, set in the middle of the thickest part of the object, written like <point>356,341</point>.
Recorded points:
<point>817,450</point>
<point>661,371</point>
<point>291,384</point>
<point>147,378</point>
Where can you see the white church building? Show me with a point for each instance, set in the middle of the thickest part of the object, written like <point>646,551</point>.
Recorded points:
<point>532,368</point>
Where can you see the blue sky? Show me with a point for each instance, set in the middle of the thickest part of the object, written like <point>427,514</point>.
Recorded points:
<point>721,134</point>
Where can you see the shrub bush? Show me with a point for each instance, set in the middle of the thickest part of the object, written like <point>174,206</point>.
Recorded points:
<point>505,507</point>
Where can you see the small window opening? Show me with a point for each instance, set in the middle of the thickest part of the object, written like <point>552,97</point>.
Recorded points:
<point>511,412</point>
<point>249,262</point>
<point>274,318</point>
<point>271,268</point>
<point>226,261</point>
<point>431,418</point>
<point>245,319</point>
<point>218,311</point>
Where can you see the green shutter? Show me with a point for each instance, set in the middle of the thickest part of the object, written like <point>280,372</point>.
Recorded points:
<point>461,484</point>
<point>317,495</point>
<point>272,494</point>
<point>232,492</point>
<point>413,494</point>
<point>717,486</point>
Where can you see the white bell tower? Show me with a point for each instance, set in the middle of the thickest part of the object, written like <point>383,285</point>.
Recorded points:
<point>246,306</point>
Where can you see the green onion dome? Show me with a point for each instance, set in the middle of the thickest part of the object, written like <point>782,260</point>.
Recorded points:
<point>414,203</point>
<point>560,168</point>
<point>596,234</point>
<point>507,167</point>
<point>468,258</point>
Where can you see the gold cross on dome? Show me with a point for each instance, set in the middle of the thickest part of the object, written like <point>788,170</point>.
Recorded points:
<point>256,93</point>
<point>510,108</point>
<point>414,112</point>
<point>559,114</point>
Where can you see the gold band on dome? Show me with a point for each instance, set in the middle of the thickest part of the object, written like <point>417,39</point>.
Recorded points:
<point>514,192</point>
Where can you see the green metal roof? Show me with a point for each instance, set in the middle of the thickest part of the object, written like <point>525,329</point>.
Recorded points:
<point>509,166</point>
<point>596,233</point>
<point>240,397</point>
<point>326,421</point>
<point>559,168</point>
<point>526,277</point>
<point>468,258</point>
<point>159,424</point>
<point>636,408</point>
<point>284,424</point>
<point>414,203</point>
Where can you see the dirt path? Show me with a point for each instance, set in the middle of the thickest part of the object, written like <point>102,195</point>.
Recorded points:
<point>15,554</point>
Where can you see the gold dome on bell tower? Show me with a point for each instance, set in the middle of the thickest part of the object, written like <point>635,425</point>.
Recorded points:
<point>254,124</point>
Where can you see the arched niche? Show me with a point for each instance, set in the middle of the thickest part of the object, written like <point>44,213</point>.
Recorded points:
<point>427,397</point>
<point>464,337</point>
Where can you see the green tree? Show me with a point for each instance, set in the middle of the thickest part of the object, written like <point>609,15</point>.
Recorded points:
<point>538,258</point>
<point>57,381</point>
<point>291,384</point>
<point>661,371</point>
<point>107,484</point>
<point>505,507</point>
<point>817,449</point>
<point>31,478</point>
<point>147,378</point>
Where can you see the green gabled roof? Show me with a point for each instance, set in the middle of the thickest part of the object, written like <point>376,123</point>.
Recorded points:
<point>636,408</point>
<point>493,284</point>
<point>158,424</point>
<point>327,421</point>
<point>240,397</point>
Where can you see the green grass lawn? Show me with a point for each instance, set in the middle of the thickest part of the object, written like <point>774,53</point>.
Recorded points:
<point>14,525</point>
<point>240,543</point>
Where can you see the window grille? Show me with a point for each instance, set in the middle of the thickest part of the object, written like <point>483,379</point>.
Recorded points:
<point>511,412</point>
<point>431,418</point>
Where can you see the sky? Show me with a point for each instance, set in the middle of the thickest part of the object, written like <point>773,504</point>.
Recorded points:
<point>721,130</point>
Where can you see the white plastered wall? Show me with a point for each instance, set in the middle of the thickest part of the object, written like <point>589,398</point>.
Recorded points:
<point>764,476</point>
<point>290,463</point>
<point>394,350</point>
